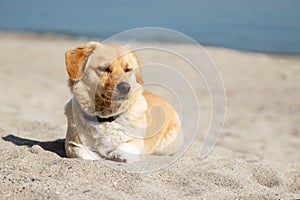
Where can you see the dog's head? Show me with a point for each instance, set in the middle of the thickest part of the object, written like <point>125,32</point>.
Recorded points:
<point>103,78</point>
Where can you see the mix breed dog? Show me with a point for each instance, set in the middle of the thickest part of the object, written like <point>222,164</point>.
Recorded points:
<point>110,116</point>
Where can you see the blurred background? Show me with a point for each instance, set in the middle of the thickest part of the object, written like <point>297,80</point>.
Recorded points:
<point>270,26</point>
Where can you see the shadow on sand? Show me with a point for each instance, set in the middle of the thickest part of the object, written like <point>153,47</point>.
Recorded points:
<point>56,146</point>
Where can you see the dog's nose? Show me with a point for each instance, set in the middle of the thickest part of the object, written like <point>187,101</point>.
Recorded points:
<point>123,88</point>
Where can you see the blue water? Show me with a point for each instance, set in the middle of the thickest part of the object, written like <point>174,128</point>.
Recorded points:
<point>271,26</point>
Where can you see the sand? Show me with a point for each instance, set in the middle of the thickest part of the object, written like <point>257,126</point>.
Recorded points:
<point>257,156</point>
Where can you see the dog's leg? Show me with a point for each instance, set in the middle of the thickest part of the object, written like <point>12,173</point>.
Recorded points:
<point>116,156</point>
<point>74,150</point>
<point>173,146</point>
<point>127,152</point>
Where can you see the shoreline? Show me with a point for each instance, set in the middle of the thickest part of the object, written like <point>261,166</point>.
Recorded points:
<point>78,37</point>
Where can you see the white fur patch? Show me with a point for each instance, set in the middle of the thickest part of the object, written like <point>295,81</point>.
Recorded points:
<point>108,136</point>
<point>129,151</point>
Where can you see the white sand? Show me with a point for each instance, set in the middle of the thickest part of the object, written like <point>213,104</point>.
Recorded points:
<point>257,156</point>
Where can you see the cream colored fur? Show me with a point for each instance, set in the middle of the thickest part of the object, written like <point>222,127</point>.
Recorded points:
<point>145,123</point>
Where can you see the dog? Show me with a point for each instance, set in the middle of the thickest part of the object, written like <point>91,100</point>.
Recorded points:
<point>110,116</point>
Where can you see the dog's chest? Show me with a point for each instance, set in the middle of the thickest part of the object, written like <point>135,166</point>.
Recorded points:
<point>108,135</point>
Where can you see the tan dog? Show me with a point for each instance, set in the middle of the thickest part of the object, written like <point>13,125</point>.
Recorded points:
<point>109,115</point>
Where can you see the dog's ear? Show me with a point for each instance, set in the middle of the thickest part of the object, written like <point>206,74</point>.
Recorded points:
<point>138,73</point>
<point>76,60</point>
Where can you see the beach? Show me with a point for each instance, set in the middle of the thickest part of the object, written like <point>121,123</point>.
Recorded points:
<point>256,157</point>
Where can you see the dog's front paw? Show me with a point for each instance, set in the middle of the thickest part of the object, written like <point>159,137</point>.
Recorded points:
<point>116,157</point>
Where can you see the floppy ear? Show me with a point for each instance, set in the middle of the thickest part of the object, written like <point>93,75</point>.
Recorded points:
<point>76,60</point>
<point>138,73</point>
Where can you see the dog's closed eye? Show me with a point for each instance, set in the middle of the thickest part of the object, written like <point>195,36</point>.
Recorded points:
<point>128,70</point>
<point>103,69</point>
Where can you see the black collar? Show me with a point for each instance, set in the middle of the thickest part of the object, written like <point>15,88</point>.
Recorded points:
<point>96,118</point>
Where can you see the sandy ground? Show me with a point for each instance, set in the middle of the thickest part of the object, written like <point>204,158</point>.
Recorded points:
<point>257,156</point>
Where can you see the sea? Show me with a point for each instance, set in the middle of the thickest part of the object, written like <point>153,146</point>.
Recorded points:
<point>269,26</point>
